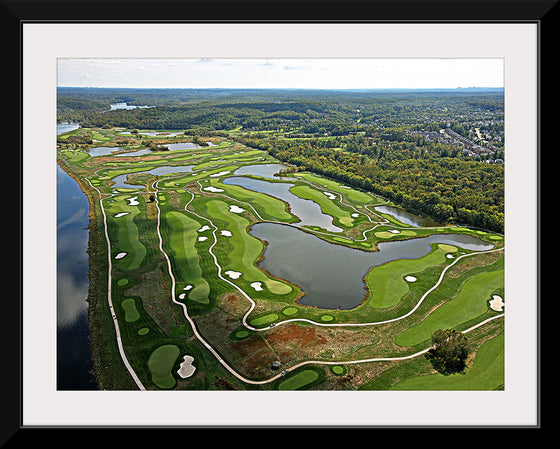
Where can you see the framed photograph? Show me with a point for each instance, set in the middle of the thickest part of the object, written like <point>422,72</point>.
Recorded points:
<point>328,219</point>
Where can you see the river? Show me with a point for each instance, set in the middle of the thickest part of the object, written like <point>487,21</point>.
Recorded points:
<point>74,359</point>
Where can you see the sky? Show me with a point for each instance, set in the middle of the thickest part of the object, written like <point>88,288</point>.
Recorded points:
<point>281,73</point>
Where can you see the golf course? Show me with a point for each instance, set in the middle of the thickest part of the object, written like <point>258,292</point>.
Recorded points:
<point>208,271</point>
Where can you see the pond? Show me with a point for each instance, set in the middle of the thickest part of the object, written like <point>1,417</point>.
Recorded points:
<point>106,151</point>
<point>406,217</point>
<point>116,106</point>
<point>331,276</point>
<point>120,181</point>
<point>64,127</point>
<point>308,211</point>
<point>263,170</point>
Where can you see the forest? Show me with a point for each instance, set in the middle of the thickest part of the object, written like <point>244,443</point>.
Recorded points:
<point>411,147</point>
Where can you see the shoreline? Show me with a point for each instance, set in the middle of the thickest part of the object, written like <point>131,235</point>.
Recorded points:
<point>103,355</point>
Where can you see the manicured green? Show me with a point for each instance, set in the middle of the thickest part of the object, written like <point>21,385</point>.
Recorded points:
<point>298,380</point>
<point>130,310</point>
<point>160,363</point>
<point>264,320</point>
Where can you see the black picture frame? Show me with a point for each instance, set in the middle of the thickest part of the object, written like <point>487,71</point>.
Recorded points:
<point>16,13</point>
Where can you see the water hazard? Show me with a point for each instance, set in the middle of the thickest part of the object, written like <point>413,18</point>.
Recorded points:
<point>331,276</point>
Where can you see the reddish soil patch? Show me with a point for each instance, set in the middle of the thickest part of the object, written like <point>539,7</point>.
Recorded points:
<point>250,345</point>
<point>294,334</point>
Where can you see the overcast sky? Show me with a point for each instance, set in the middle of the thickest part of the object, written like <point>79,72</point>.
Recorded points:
<point>281,73</point>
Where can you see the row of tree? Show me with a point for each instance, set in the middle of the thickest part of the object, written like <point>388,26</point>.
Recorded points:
<point>447,189</point>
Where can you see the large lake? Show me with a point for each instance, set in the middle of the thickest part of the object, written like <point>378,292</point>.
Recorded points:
<point>331,276</point>
<point>74,361</point>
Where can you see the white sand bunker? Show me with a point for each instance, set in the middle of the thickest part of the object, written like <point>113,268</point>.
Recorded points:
<point>355,215</point>
<point>257,286</point>
<point>120,255</point>
<point>330,195</point>
<point>496,303</point>
<point>449,256</point>
<point>186,368</point>
<point>213,189</point>
<point>233,274</point>
<point>236,210</point>
<point>201,239</point>
<point>133,201</point>
<point>219,174</point>
<point>226,233</point>
<point>182,296</point>
<point>410,278</point>
<point>121,214</point>
<point>204,228</point>
<point>188,287</point>
<point>394,231</point>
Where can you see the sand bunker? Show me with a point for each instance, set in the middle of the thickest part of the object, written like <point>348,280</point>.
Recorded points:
<point>355,215</point>
<point>219,174</point>
<point>449,256</point>
<point>201,239</point>
<point>120,255</point>
<point>330,195</point>
<point>226,233</point>
<point>394,231</point>
<point>257,286</point>
<point>213,189</point>
<point>121,214</point>
<point>188,287</point>
<point>182,296</point>
<point>410,278</point>
<point>186,368</point>
<point>204,228</point>
<point>233,274</point>
<point>496,303</point>
<point>236,210</point>
<point>132,201</point>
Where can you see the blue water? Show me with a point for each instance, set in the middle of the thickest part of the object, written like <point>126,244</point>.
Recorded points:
<point>74,361</point>
<point>120,181</point>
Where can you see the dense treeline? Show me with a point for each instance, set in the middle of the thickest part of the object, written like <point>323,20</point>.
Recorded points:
<point>376,140</point>
<point>446,188</point>
<point>310,112</point>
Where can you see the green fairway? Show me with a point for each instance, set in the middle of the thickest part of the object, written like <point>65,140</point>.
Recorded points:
<point>268,207</point>
<point>182,240</point>
<point>487,372</point>
<point>127,240</point>
<point>470,302</point>
<point>328,206</point>
<point>245,249</point>
<point>352,194</point>
<point>387,284</point>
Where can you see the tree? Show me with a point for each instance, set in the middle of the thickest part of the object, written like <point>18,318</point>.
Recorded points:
<point>449,352</point>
